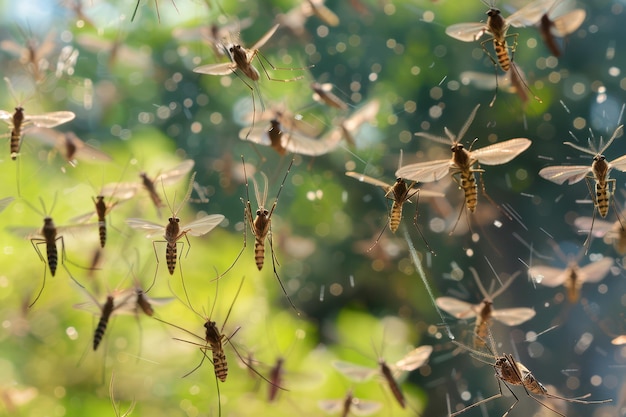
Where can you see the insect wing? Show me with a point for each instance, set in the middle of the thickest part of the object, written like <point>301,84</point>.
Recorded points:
<point>50,119</point>
<point>513,316</point>
<point>120,190</point>
<point>457,308</point>
<point>567,23</point>
<point>175,174</point>
<point>414,359</point>
<point>501,153</point>
<point>549,276</point>
<point>225,68</point>
<point>619,163</point>
<point>4,202</point>
<point>258,135</point>
<point>530,14</point>
<point>153,229</point>
<point>595,271</point>
<point>6,117</point>
<point>203,225</point>
<point>425,171</point>
<point>466,32</point>
<point>365,114</point>
<point>259,44</point>
<point>560,174</point>
<point>354,372</point>
<point>298,143</point>
<point>369,180</point>
<point>600,227</point>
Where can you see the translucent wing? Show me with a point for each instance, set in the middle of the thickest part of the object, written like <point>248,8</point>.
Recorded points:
<point>70,146</point>
<point>530,14</point>
<point>595,271</point>
<point>357,406</point>
<point>354,372</point>
<point>175,174</point>
<point>324,13</point>
<point>414,359</point>
<point>120,190</point>
<point>259,44</point>
<point>299,143</point>
<point>369,180</point>
<point>364,114</point>
<point>619,163</point>
<point>466,32</point>
<point>203,225</point>
<point>501,153</point>
<point>457,308</point>
<point>560,174</point>
<point>600,227</point>
<point>153,229</point>
<point>513,316</point>
<point>225,68</point>
<point>258,135</point>
<point>567,23</point>
<point>549,276</point>
<point>50,119</point>
<point>6,117</point>
<point>425,171</point>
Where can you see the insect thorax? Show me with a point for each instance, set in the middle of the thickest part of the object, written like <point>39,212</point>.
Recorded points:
<point>600,168</point>
<point>213,335</point>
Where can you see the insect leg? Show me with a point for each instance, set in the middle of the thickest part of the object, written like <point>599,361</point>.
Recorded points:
<point>274,262</point>
<point>45,267</point>
<point>257,52</point>
<point>483,401</point>
<point>495,66</point>
<point>415,221</point>
<point>593,216</point>
<point>63,258</point>
<point>156,256</point>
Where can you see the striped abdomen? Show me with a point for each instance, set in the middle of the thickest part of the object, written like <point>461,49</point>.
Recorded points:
<point>483,322</point>
<point>16,132</point>
<point>49,232</point>
<point>602,197</point>
<point>170,256</point>
<point>395,216</point>
<point>502,52</point>
<point>259,252</point>
<point>107,309</point>
<point>101,211</point>
<point>219,362</point>
<point>468,184</point>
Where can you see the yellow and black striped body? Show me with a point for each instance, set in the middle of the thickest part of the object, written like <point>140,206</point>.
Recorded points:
<point>49,233</point>
<point>600,169</point>
<point>172,234</point>
<point>400,195</point>
<point>107,310</point>
<point>214,338</point>
<point>498,28</point>
<point>260,228</point>
<point>101,211</point>
<point>393,385</point>
<point>463,161</point>
<point>16,132</point>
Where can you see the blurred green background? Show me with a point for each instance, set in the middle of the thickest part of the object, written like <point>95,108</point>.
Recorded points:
<point>136,98</point>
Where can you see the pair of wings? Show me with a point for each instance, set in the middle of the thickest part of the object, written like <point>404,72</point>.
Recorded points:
<point>127,190</point>
<point>227,68</point>
<point>68,144</point>
<point>496,154</point>
<point>350,404</point>
<point>464,310</point>
<point>553,277</point>
<point>124,302</point>
<point>528,15</point>
<point>197,227</point>
<point>389,187</point>
<point>575,173</point>
<point>292,141</point>
<point>411,361</point>
<point>49,120</point>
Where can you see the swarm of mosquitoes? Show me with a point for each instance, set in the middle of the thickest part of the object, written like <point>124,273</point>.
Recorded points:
<point>293,138</point>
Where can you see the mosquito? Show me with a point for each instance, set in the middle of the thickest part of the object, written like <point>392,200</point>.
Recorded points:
<point>323,93</point>
<point>572,277</point>
<point>48,235</point>
<point>173,231</point>
<point>241,59</point>
<point>126,190</point>
<point>484,311</point>
<point>614,233</point>
<point>497,27</point>
<point>462,164</point>
<point>411,361</point>
<point>214,340</point>
<point>509,371</point>
<point>559,21</point>
<point>399,193</point>
<point>597,172</point>
<point>19,121</point>
<point>350,404</point>
<point>33,55</point>
<point>284,137</point>
<point>68,145</point>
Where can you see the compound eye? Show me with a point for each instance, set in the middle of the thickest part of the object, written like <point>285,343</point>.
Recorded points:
<point>258,212</point>
<point>265,212</point>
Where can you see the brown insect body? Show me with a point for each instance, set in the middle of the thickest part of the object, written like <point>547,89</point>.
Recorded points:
<point>172,234</point>
<point>260,228</point>
<point>393,385</point>
<point>483,323</point>
<point>276,376</point>
<point>275,134</point>
<point>600,169</point>
<point>241,57</point>
<point>148,184</point>
<point>400,192</point>
<point>143,303</point>
<point>464,162</point>
<point>16,132</point>
<point>545,28</point>
<point>215,339</point>
<point>498,28</point>
<point>49,233</point>
<point>101,211</point>
<point>107,310</point>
